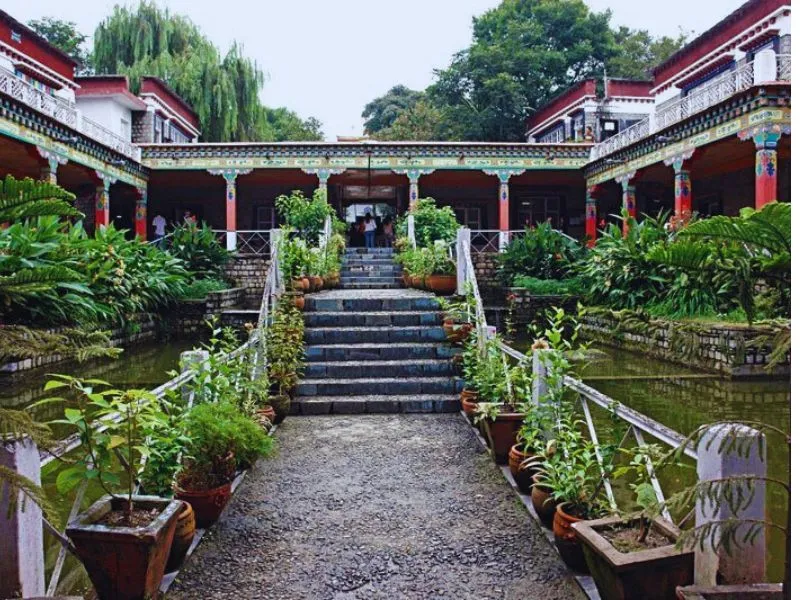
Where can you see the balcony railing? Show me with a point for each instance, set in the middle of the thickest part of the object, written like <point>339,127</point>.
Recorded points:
<point>678,109</point>
<point>64,112</point>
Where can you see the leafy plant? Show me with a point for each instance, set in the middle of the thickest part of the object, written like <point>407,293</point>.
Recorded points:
<point>541,252</point>
<point>547,287</point>
<point>198,247</point>
<point>28,199</point>
<point>441,263</point>
<point>431,224</point>
<point>200,288</point>
<point>307,216</point>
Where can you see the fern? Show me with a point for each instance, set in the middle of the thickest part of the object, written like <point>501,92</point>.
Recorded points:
<point>26,198</point>
<point>19,342</point>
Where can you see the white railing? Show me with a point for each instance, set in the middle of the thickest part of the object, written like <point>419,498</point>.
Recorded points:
<point>273,287</point>
<point>495,240</point>
<point>673,111</point>
<point>410,231</point>
<point>65,112</point>
<point>245,241</point>
<point>110,139</point>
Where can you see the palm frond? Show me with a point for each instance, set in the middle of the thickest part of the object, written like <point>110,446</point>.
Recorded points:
<point>38,279</point>
<point>766,229</point>
<point>22,489</point>
<point>30,198</point>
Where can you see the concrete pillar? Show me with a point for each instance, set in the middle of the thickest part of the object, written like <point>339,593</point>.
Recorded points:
<point>140,216</point>
<point>727,451</point>
<point>591,214</point>
<point>102,209</point>
<point>230,176</point>
<point>766,174</point>
<point>628,199</point>
<point>22,545</point>
<point>49,171</point>
<point>323,175</point>
<point>503,200</point>
<point>462,240</point>
<point>683,195</point>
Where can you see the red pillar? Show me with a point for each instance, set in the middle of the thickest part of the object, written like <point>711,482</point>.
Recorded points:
<point>102,209</point>
<point>766,175</point>
<point>591,215</point>
<point>628,200</point>
<point>683,195</point>
<point>140,217</point>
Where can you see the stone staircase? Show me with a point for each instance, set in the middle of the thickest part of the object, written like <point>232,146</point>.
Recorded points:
<point>374,347</point>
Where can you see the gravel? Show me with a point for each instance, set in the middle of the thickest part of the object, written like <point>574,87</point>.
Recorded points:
<point>378,507</point>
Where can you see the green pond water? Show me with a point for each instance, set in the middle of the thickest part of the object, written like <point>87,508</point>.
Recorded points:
<point>682,399</point>
<point>141,366</point>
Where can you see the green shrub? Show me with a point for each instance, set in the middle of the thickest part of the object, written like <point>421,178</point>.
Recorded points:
<point>306,216</point>
<point>431,224</point>
<point>547,287</point>
<point>199,248</point>
<point>541,252</point>
<point>200,288</point>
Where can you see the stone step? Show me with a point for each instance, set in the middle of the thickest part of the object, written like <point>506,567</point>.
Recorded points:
<point>378,352</point>
<point>371,285</point>
<point>355,303</point>
<point>369,279</point>
<point>382,262</point>
<point>368,258</point>
<point>376,250</point>
<point>380,271</point>
<point>374,319</point>
<point>377,386</point>
<point>373,335</point>
<point>385,368</point>
<point>324,405</point>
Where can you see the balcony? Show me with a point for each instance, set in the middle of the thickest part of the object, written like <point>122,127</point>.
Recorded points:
<point>676,110</point>
<point>65,112</point>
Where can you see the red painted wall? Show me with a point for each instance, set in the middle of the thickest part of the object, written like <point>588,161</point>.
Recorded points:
<point>629,88</point>
<point>114,84</point>
<point>559,103</point>
<point>152,85</point>
<point>735,23</point>
<point>35,47</point>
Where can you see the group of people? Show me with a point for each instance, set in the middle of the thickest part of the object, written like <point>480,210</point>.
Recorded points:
<point>159,224</point>
<point>369,227</point>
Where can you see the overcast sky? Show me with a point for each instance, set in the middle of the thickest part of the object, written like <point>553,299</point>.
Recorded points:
<point>328,58</point>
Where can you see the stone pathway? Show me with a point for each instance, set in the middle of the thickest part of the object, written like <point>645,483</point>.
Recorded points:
<point>375,506</point>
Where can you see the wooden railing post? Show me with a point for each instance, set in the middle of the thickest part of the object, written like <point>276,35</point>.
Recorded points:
<point>412,236</point>
<point>539,384</point>
<point>188,360</point>
<point>21,533</point>
<point>732,450</point>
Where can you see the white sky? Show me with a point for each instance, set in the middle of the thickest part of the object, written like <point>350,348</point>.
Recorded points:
<point>328,58</point>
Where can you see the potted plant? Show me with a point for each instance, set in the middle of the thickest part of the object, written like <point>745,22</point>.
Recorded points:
<point>123,540</point>
<point>442,276</point>
<point>222,439</point>
<point>470,366</point>
<point>628,555</point>
<point>456,319</point>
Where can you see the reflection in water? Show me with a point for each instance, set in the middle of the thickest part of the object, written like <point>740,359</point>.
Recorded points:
<point>684,399</point>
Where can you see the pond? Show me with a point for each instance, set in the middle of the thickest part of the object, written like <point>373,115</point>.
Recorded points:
<point>141,366</point>
<point>683,399</point>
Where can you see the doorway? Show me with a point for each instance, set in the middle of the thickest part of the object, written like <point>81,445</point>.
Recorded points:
<point>354,216</point>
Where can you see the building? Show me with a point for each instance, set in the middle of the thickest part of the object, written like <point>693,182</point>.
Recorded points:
<point>580,114</point>
<point>709,133</point>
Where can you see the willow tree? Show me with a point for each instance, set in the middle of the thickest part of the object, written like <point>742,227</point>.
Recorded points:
<point>224,90</point>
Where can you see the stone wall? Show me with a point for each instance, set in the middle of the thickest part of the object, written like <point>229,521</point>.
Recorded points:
<point>142,127</point>
<point>190,316</point>
<point>526,307</point>
<point>727,348</point>
<point>144,328</point>
<point>250,273</point>
<point>486,264</point>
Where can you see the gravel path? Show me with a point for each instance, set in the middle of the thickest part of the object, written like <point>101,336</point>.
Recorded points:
<point>375,506</point>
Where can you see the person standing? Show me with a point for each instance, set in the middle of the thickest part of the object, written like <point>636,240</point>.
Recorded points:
<point>369,230</point>
<point>388,233</point>
<point>160,229</point>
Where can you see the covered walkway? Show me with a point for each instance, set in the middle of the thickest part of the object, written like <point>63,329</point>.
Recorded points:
<point>375,506</point>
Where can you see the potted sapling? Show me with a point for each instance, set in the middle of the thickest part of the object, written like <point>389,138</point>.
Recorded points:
<point>633,557</point>
<point>123,539</point>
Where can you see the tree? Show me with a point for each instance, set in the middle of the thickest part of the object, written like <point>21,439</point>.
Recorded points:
<point>383,110</point>
<point>223,90</point>
<point>287,126</point>
<point>65,36</point>
<point>637,52</point>
<point>420,122</point>
<point>523,52</point>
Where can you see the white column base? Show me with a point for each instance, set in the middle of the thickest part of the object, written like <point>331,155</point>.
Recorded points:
<point>230,241</point>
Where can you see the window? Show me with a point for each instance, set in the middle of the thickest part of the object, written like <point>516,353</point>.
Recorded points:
<point>468,216</point>
<point>34,82</point>
<point>158,129</point>
<point>265,218</point>
<point>537,208</point>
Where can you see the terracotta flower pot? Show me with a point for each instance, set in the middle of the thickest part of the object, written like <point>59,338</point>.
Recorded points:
<point>542,501</point>
<point>297,284</point>
<point>125,563</point>
<point>184,535</point>
<point>416,281</point>
<point>521,475</point>
<point>457,332</point>
<point>207,504</point>
<point>298,300</point>
<point>502,434</point>
<point>266,416</point>
<point>566,539</point>
<point>469,403</point>
<point>444,285</point>
<point>406,279</point>
<point>316,282</point>
<point>306,284</point>
<point>647,574</point>
<point>281,404</point>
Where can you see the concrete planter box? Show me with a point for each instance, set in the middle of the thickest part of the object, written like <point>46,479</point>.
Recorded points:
<point>753,591</point>
<point>646,574</point>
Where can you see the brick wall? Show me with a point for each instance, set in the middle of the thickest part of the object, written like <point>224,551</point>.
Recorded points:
<point>526,308</point>
<point>729,349</point>
<point>250,273</point>
<point>190,317</point>
<point>492,290</point>
<point>142,127</point>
